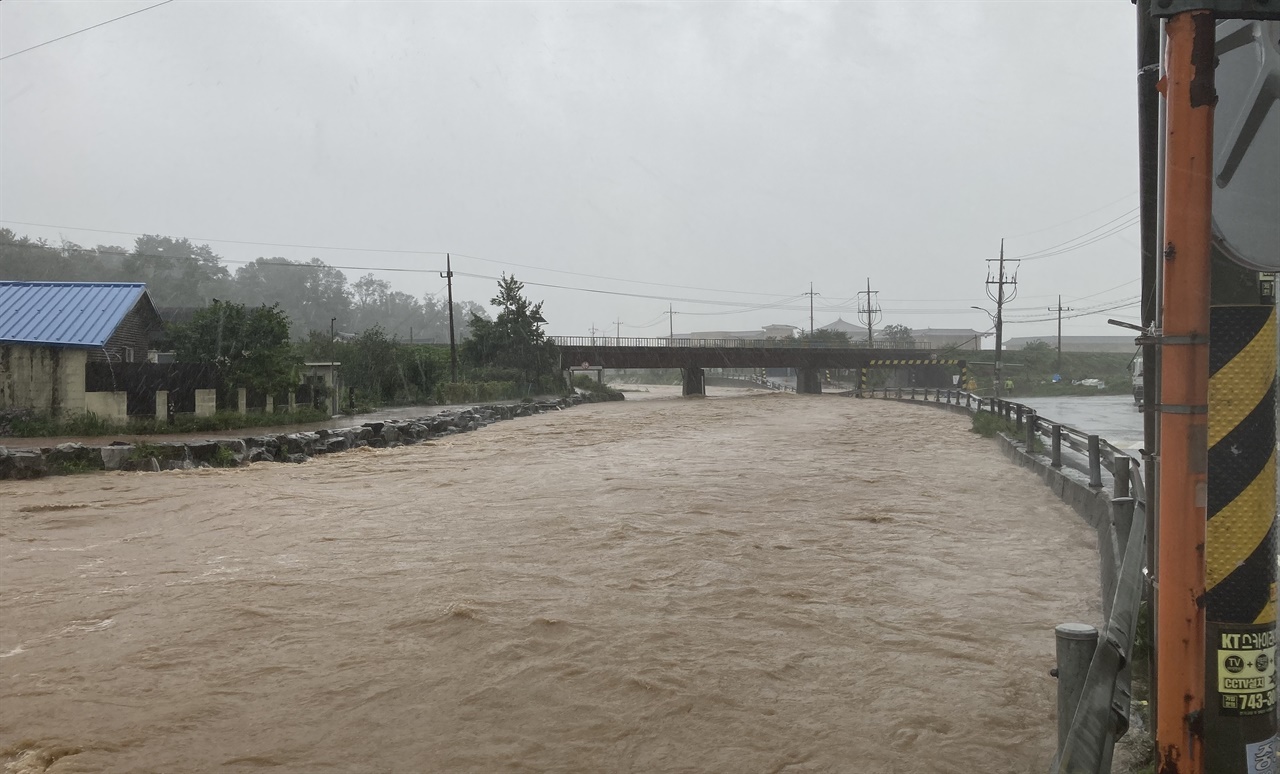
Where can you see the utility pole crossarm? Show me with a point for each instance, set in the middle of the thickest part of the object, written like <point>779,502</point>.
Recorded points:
<point>1002,279</point>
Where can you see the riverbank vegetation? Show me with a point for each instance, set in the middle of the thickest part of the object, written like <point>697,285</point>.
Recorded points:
<point>26,424</point>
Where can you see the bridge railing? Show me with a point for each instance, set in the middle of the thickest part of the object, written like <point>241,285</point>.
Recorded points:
<point>615,341</point>
<point>1094,680</point>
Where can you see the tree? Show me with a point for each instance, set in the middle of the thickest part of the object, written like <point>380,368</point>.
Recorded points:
<point>249,347</point>
<point>898,335</point>
<point>826,337</point>
<point>514,339</point>
<point>1038,355</point>
<point>177,272</point>
<point>311,293</point>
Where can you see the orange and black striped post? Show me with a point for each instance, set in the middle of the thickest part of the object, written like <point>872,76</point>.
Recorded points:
<point>1240,553</point>
<point>1183,488</point>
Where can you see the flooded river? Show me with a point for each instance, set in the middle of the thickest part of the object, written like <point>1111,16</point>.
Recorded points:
<point>768,583</point>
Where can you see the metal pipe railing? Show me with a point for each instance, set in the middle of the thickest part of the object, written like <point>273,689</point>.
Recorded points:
<point>796,343</point>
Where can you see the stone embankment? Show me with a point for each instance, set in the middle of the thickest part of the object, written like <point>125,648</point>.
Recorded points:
<point>291,447</point>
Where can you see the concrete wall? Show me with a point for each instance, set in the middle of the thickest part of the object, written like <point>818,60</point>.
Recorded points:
<point>108,405</point>
<point>48,380</point>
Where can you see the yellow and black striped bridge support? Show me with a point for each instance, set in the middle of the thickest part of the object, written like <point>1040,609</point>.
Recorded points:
<point>911,362</point>
<point>1240,550</point>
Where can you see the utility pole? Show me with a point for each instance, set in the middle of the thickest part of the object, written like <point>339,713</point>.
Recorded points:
<point>1059,309</point>
<point>811,294</point>
<point>869,310</point>
<point>453,344</point>
<point>333,368</point>
<point>1000,279</point>
<point>671,329</point>
<point>594,332</point>
<point>1184,396</point>
<point>617,331</point>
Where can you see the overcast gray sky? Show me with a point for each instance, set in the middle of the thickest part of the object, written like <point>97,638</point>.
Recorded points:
<point>704,147</point>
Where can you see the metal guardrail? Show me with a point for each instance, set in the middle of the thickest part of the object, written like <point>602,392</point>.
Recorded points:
<point>613,341</point>
<point>1093,701</point>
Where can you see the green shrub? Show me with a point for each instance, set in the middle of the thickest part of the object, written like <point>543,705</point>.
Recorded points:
<point>988,425</point>
<point>145,451</point>
<point>477,392</point>
<point>71,467</point>
<point>589,383</point>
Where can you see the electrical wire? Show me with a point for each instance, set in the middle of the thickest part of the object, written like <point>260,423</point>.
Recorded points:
<point>1072,220</point>
<point>1067,246</point>
<point>392,251</point>
<point>86,29</point>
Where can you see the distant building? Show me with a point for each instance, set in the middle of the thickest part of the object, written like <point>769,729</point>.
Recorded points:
<point>1078,343</point>
<point>949,338</point>
<point>767,332</point>
<point>49,331</point>
<point>855,332</point>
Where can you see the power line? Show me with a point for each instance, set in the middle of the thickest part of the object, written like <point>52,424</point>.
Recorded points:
<point>395,251</point>
<point>86,29</point>
<point>1071,220</point>
<point>1067,246</point>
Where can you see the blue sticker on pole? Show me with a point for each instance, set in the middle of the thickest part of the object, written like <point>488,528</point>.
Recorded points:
<point>1260,757</point>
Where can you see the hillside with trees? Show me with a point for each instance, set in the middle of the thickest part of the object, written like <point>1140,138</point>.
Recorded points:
<point>182,276</point>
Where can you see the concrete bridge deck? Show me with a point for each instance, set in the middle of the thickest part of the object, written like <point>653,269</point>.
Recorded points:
<point>692,356</point>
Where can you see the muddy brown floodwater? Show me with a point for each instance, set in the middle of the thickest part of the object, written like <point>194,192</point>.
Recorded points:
<point>770,583</point>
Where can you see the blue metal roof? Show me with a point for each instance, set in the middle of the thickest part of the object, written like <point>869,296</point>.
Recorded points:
<point>64,314</point>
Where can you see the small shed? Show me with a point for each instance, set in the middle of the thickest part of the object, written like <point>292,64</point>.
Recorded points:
<point>50,331</point>
<point>327,375</point>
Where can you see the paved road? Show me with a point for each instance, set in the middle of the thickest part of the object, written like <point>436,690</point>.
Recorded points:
<point>1114,417</point>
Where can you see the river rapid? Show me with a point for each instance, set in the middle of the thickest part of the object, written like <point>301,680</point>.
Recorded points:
<point>762,583</point>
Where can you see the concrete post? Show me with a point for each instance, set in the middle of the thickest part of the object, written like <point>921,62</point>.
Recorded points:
<point>808,381</point>
<point>242,400</point>
<point>693,381</point>
<point>206,403</point>
<point>271,404</point>
<point>1056,449</point>
<point>1095,463</point>
<point>1018,422</point>
<point>1075,646</point>
<point>1031,432</point>
<point>293,401</point>
<point>162,405</point>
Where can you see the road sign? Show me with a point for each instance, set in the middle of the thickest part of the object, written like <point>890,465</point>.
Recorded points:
<point>1246,143</point>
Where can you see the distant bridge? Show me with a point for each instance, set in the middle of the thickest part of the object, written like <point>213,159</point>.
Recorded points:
<point>692,356</point>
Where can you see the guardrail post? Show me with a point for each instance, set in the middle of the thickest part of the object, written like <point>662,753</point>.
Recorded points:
<point>937,396</point>
<point>1120,470</point>
<point>1017,425</point>
<point>1031,432</point>
<point>1095,463</point>
<point>1075,646</point>
<point>913,393</point>
<point>1056,446</point>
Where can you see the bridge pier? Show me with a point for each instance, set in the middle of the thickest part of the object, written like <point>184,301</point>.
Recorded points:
<point>808,381</point>
<point>693,381</point>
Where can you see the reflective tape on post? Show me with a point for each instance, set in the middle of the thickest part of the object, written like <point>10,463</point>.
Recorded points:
<point>1240,549</point>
